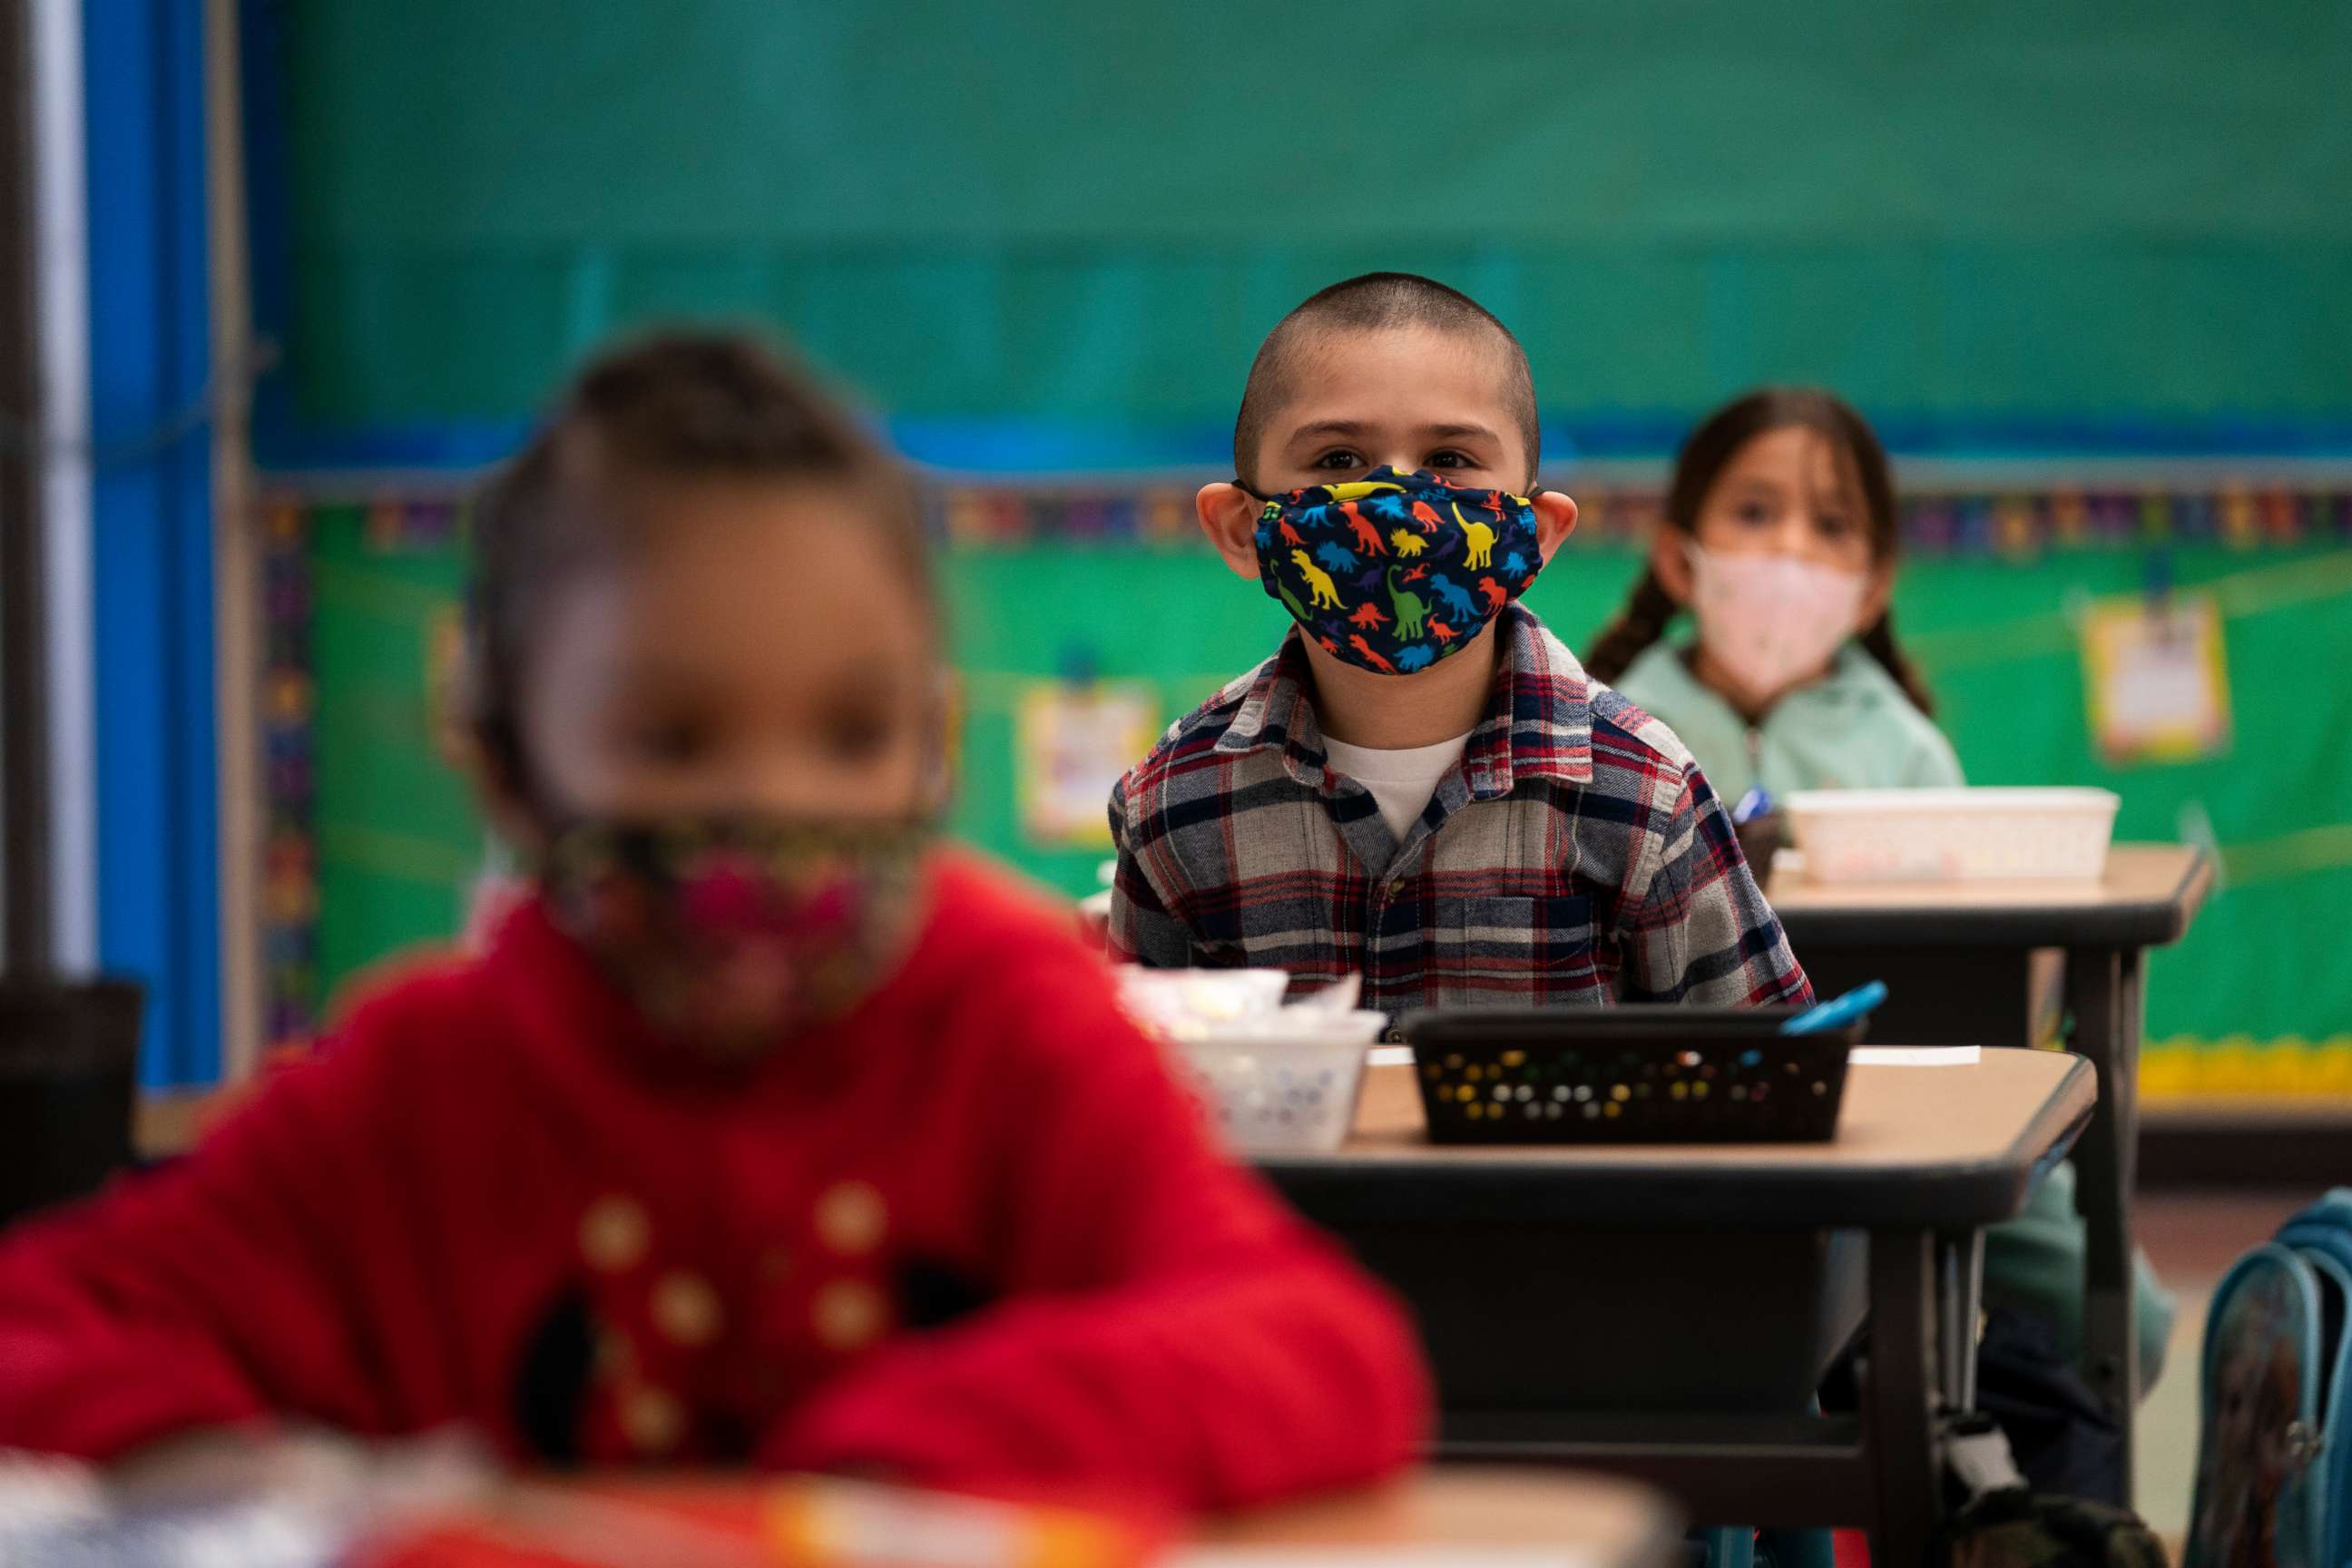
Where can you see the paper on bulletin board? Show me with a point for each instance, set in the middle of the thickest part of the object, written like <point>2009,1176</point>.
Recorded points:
<point>445,676</point>
<point>2156,679</point>
<point>1073,741</point>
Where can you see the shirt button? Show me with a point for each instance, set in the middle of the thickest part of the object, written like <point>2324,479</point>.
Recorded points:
<point>1395,1037</point>
<point>615,1234</point>
<point>849,1314</point>
<point>851,1218</point>
<point>1394,888</point>
<point>685,1308</point>
<point>653,1420</point>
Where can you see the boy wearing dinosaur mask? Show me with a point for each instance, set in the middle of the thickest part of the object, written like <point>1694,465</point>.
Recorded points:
<point>1423,786</point>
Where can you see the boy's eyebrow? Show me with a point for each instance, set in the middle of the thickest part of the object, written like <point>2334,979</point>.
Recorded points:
<point>1330,427</point>
<point>1358,428</point>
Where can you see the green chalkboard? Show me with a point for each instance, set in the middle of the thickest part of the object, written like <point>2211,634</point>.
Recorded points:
<point>1063,210</point>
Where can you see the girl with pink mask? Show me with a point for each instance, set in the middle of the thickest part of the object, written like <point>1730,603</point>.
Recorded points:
<point>1780,539</point>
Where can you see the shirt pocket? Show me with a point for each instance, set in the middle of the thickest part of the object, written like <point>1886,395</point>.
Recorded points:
<point>1518,951</point>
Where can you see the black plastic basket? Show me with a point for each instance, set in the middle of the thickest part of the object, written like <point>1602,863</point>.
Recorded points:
<point>1626,1075</point>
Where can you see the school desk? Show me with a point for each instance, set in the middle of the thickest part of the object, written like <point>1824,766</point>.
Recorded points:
<point>1656,1310</point>
<point>1522,1518</point>
<point>1540,1516</point>
<point>1958,959</point>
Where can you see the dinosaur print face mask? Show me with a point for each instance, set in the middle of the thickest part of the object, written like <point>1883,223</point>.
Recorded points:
<point>1393,572</point>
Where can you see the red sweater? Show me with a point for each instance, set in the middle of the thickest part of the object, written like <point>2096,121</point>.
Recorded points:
<point>493,1200</point>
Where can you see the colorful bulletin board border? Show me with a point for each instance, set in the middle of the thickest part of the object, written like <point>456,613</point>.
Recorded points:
<point>290,734</point>
<point>2010,523</point>
<point>2185,1069</point>
<point>289,708</point>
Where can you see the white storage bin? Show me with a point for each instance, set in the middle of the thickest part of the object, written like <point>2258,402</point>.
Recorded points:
<point>1182,1002</point>
<point>1284,1091</point>
<point>1952,835</point>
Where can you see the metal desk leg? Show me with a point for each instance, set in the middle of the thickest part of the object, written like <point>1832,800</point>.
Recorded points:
<point>1898,1414</point>
<point>2104,995</point>
<point>1960,1300</point>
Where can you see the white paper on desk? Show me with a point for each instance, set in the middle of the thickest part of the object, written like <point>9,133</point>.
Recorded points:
<point>1915,1056</point>
<point>1861,1056</point>
<point>1464,1556</point>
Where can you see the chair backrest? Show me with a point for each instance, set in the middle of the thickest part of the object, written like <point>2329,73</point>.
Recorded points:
<point>68,1075</point>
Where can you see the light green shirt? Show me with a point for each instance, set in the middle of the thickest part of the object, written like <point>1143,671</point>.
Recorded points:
<point>1853,729</point>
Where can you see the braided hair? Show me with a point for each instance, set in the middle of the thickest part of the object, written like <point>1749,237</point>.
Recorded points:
<point>1709,451</point>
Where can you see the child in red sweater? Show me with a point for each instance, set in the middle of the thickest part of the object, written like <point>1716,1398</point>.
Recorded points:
<point>765,1130</point>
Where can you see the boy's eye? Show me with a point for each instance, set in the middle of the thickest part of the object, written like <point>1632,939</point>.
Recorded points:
<point>1341,458</point>
<point>1754,512</point>
<point>1834,526</point>
<point>1450,458</point>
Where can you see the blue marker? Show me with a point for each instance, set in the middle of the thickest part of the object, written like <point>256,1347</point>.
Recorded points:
<point>1752,805</point>
<point>1837,1014</point>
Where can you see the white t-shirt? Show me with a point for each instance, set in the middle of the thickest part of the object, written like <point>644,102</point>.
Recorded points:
<point>1401,781</point>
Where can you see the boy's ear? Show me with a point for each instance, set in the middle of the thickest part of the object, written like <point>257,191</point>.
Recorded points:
<point>1228,516</point>
<point>1555,520</point>
<point>1670,562</point>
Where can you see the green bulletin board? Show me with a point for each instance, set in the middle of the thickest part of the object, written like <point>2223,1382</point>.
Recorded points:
<point>397,845</point>
<point>398,842</point>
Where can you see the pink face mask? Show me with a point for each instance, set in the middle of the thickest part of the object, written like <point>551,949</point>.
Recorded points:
<point>1770,620</point>
<point>734,933</point>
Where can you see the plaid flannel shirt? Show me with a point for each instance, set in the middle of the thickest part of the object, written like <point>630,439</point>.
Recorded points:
<point>1574,856</point>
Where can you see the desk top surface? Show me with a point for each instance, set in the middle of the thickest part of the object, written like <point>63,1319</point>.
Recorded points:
<point>2148,897</point>
<point>1529,1518</point>
<point>1588,1521</point>
<point>1945,1145</point>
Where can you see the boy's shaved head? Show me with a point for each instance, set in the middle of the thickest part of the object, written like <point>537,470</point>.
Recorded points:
<point>1376,301</point>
